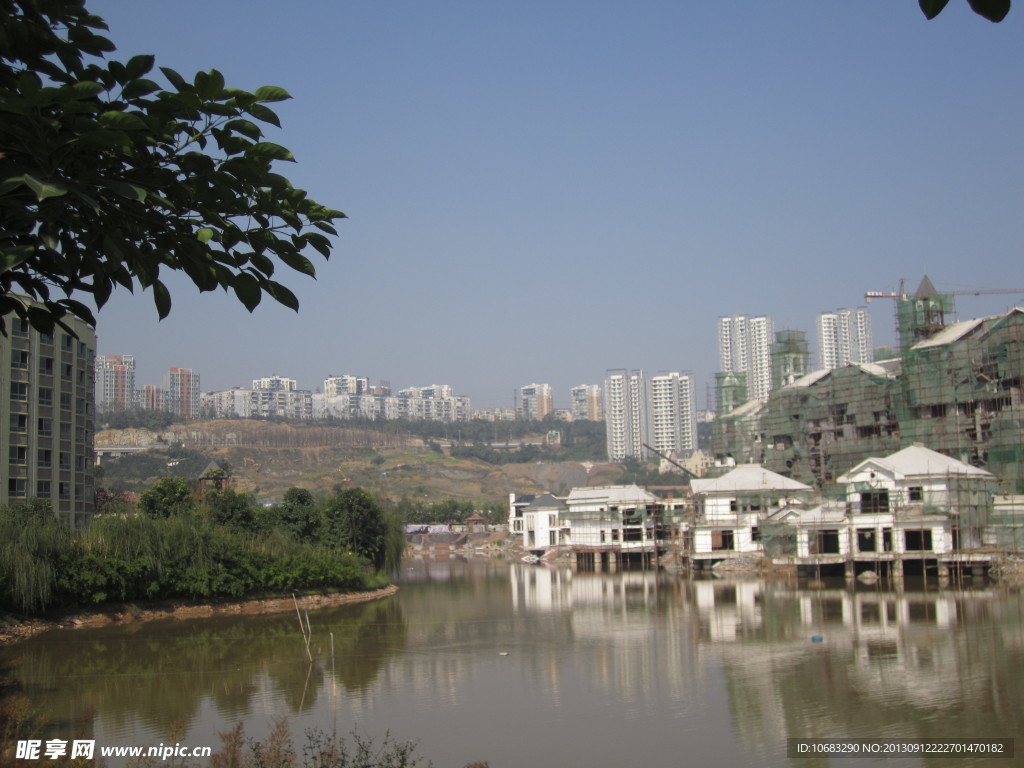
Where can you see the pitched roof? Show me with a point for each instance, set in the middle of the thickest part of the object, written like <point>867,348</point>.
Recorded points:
<point>611,494</point>
<point>545,501</point>
<point>918,461</point>
<point>746,477</point>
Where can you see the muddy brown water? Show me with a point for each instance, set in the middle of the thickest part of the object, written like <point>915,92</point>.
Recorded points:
<point>525,665</point>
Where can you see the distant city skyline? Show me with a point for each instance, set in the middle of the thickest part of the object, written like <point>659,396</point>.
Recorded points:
<point>575,186</point>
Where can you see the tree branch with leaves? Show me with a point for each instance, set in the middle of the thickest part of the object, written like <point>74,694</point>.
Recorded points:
<point>110,180</point>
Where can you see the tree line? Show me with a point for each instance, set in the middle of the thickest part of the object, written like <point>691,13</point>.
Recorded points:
<point>176,546</point>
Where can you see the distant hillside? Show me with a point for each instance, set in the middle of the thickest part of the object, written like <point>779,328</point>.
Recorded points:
<point>268,458</point>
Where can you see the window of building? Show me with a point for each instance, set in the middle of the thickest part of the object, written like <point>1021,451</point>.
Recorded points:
<point>16,487</point>
<point>64,490</point>
<point>43,488</point>
<point>45,396</point>
<point>874,502</point>
<point>918,541</point>
<point>19,360</point>
<point>65,401</point>
<point>723,540</point>
<point>18,454</point>
<point>916,493</point>
<point>45,427</point>
<point>65,460</point>
<point>46,366</point>
<point>65,371</point>
<point>19,328</point>
<point>44,458</point>
<point>19,422</point>
<point>19,390</point>
<point>66,342</point>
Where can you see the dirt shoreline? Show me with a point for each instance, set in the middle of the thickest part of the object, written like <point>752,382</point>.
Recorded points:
<point>19,630</point>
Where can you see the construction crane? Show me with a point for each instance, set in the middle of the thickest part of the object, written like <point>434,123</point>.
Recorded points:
<point>927,288</point>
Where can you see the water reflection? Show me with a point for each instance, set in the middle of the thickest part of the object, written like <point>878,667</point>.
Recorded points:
<point>582,668</point>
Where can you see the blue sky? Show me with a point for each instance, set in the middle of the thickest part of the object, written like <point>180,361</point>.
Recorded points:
<point>541,191</point>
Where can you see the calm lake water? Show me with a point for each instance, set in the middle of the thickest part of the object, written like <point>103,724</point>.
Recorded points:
<point>525,666</point>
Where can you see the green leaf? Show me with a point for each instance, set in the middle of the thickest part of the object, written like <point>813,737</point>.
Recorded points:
<point>45,189</point>
<point>932,8</point>
<point>162,299</point>
<point>204,235</point>
<point>268,149</point>
<point>10,184</point>
<point>319,242</point>
<point>15,257</point>
<point>175,79</point>
<point>271,93</point>
<point>993,10</point>
<point>298,262</point>
<point>84,89</point>
<point>282,295</point>
<point>124,189</point>
<point>137,66</point>
<point>244,127</point>
<point>123,121</point>
<point>247,289</point>
<point>264,114</point>
<point>140,87</point>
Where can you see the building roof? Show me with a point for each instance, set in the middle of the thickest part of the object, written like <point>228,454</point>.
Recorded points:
<point>746,477</point>
<point>545,501</point>
<point>611,494</point>
<point>952,333</point>
<point>918,461</point>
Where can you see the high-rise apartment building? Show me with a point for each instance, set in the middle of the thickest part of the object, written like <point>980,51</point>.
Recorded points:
<point>673,413</point>
<point>274,384</point>
<point>587,402</point>
<point>625,413</point>
<point>347,385</point>
<point>844,337</point>
<point>115,382</point>
<point>181,393</point>
<point>744,346</point>
<point>537,401</point>
<point>47,417</point>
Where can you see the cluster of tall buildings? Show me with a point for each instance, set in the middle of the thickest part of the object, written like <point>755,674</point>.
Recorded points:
<point>750,351</point>
<point>343,397</point>
<point>537,401</point>
<point>116,389</point>
<point>643,412</point>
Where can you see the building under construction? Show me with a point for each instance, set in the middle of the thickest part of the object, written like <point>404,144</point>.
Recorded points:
<point>955,387</point>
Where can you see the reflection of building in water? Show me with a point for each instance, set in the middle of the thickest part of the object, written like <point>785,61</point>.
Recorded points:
<point>727,608</point>
<point>880,659</point>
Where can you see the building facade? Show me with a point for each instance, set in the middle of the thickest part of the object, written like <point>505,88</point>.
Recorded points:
<point>673,413</point>
<point>47,406</point>
<point>626,419</point>
<point>587,402</point>
<point>844,337</point>
<point>181,393</point>
<point>536,401</point>
<point>744,346</point>
<point>115,382</point>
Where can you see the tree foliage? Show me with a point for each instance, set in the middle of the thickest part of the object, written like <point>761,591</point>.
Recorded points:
<point>993,10</point>
<point>354,521</point>
<point>109,179</point>
<point>169,497</point>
